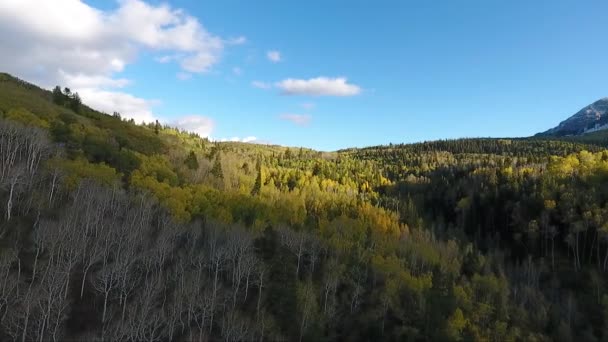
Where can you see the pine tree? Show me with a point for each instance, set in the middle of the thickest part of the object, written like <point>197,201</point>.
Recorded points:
<point>58,97</point>
<point>75,102</point>
<point>287,154</point>
<point>217,168</point>
<point>191,161</point>
<point>257,187</point>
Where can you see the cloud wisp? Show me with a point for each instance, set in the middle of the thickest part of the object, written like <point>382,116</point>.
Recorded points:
<point>308,105</point>
<point>298,119</point>
<point>261,85</point>
<point>319,86</point>
<point>274,56</point>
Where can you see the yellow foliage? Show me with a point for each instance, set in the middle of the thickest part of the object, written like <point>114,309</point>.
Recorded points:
<point>158,167</point>
<point>76,170</point>
<point>26,117</point>
<point>178,200</point>
<point>550,204</point>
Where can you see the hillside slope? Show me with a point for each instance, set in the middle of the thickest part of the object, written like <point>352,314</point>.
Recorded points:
<point>124,232</point>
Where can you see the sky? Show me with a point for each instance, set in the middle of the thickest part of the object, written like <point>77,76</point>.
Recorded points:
<point>320,74</point>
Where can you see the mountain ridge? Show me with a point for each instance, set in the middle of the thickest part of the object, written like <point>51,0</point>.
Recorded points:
<point>589,119</point>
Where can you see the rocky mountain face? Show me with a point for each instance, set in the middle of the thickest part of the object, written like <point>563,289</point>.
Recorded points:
<point>589,119</point>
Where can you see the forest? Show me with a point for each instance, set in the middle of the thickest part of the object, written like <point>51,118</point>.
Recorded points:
<point>112,230</point>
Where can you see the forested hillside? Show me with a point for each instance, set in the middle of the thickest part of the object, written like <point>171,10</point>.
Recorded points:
<point>118,231</point>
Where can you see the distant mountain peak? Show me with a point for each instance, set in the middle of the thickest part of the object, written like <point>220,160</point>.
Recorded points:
<point>591,118</point>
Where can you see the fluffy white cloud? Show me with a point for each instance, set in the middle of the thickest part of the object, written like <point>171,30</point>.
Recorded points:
<point>127,105</point>
<point>42,38</point>
<point>298,119</point>
<point>261,85</point>
<point>71,43</point>
<point>273,56</point>
<point>320,86</point>
<point>200,125</point>
<point>79,81</point>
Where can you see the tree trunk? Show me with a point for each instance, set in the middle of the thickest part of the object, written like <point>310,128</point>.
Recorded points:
<point>257,314</point>
<point>576,254</point>
<point>606,260</point>
<point>27,318</point>
<point>217,266</point>
<point>9,204</point>
<point>84,277</point>
<point>553,253</point>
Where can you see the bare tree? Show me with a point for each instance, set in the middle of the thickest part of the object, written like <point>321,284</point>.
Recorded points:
<point>179,301</point>
<point>8,282</point>
<point>235,327</point>
<point>20,321</point>
<point>105,283</point>
<point>11,145</point>
<point>217,253</point>
<point>200,305</point>
<point>15,178</point>
<point>331,277</point>
<point>240,255</point>
<point>307,302</point>
<point>51,301</point>
<point>146,321</point>
<point>260,271</point>
<point>21,150</point>
<point>297,242</point>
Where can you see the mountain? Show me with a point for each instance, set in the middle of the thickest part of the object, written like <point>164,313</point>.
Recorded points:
<point>592,118</point>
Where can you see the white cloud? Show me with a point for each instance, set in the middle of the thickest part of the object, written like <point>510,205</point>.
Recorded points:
<point>199,62</point>
<point>320,86</point>
<point>273,56</point>
<point>78,81</point>
<point>73,44</point>
<point>200,125</point>
<point>261,85</point>
<point>72,36</point>
<point>298,119</point>
<point>127,105</point>
<point>249,139</point>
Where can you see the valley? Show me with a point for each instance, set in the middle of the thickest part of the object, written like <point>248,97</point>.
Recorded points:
<point>113,230</point>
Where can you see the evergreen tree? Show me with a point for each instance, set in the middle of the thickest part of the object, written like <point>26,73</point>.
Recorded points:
<point>75,102</point>
<point>217,168</point>
<point>58,97</point>
<point>191,161</point>
<point>257,187</point>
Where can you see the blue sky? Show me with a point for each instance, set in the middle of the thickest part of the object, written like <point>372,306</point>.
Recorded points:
<point>422,70</point>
